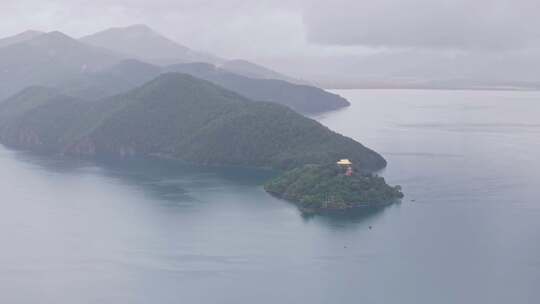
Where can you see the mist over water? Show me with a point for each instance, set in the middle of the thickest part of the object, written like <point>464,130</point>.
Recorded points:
<point>468,230</point>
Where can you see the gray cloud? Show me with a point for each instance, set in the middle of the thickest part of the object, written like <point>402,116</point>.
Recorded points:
<point>305,37</point>
<point>232,28</point>
<point>274,27</point>
<point>450,24</point>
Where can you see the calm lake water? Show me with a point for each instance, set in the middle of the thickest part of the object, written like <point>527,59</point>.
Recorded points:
<point>468,230</point>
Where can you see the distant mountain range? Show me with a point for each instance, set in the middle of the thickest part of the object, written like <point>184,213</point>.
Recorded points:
<point>24,36</point>
<point>129,92</point>
<point>143,43</point>
<point>408,68</point>
<point>47,59</point>
<point>175,116</point>
<point>131,73</point>
<point>302,98</point>
<point>97,66</point>
<point>252,70</point>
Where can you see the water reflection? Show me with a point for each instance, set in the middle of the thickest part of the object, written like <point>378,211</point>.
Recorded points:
<point>354,219</point>
<point>175,182</point>
<point>88,232</point>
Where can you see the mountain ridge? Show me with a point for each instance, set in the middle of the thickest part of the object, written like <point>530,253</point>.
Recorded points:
<point>48,59</point>
<point>24,36</point>
<point>129,74</point>
<point>181,117</point>
<point>253,70</point>
<point>142,42</point>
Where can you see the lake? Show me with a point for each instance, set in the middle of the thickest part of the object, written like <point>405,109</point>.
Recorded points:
<point>468,230</point>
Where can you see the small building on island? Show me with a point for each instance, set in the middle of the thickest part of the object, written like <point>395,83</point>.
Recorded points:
<point>346,165</point>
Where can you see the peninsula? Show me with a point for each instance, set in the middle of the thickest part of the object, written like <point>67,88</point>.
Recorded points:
<point>181,117</point>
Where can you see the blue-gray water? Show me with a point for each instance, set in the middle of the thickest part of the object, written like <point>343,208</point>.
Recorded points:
<point>152,232</point>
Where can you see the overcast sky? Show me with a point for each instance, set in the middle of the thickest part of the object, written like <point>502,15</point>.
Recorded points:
<point>263,29</point>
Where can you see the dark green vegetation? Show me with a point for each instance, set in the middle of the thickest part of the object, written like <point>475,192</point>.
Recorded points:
<point>325,188</point>
<point>176,116</point>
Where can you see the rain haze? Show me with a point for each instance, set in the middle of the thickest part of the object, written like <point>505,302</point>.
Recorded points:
<point>392,42</point>
<point>267,151</point>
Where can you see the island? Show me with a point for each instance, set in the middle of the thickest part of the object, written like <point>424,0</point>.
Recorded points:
<point>180,117</point>
<point>335,187</point>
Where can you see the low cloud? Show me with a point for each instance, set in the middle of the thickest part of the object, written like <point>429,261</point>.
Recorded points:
<point>447,24</point>
<point>305,37</point>
<point>278,26</point>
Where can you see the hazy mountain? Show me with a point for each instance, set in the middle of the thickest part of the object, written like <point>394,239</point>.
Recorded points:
<point>89,72</point>
<point>143,43</point>
<point>27,99</point>
<point>252,70</point>
<point>28,35</point>
<point>302,98</point>
<point>129,74</point>
<point>119,78</point>
<point>48,59</point>
<point>177,116</point>
<point>41,119</point>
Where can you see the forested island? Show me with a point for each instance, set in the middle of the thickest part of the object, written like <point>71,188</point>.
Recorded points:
<point>178,116</point>
<point>332,187</point>
<point>109,95</point>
